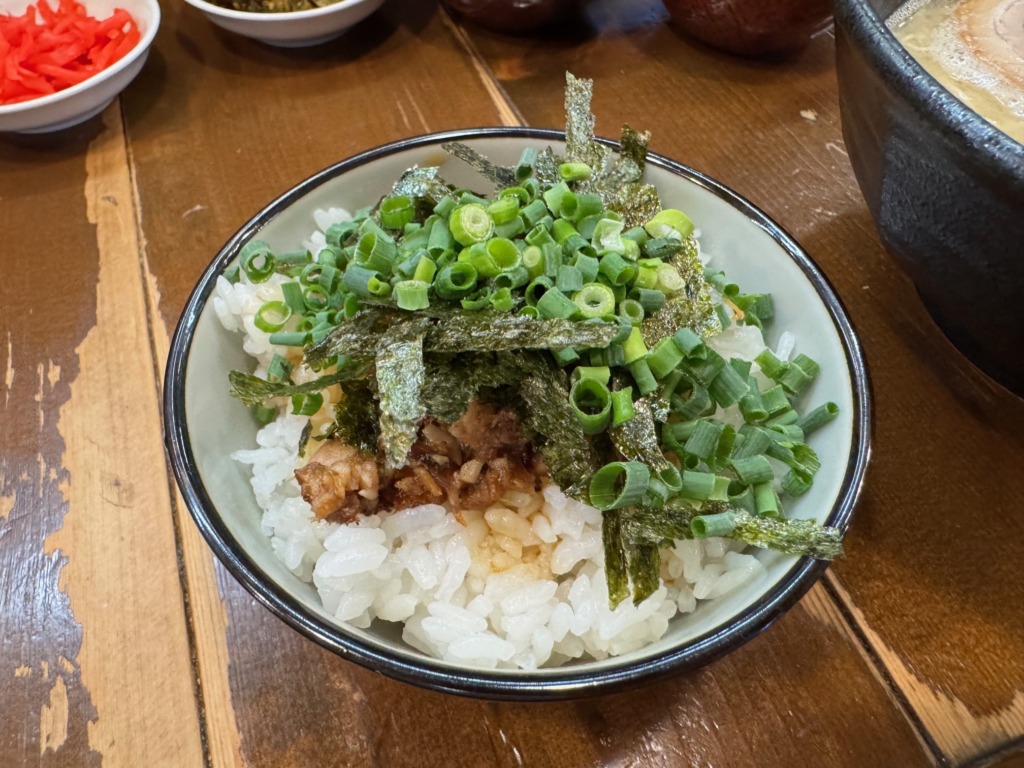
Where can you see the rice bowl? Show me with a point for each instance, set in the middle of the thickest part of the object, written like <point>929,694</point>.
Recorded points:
<point>217,489</point>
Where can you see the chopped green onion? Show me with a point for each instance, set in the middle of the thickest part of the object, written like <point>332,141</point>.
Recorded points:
<point>689,343</point>
<point>502,300</point>
<point>634,346</point>
<point>619,484</point>
<point>595,300</point>
<point>753,470</point>
<point>671,224</point>
<point>616,269</point>
<point>562,230</point>
<point>601,373</point>
<point>412,294</point>
<point>470,224</point>
<point>622,406</point>
<point>554,303</point>
<point>503,210</point>
<point>554,197</point>
<point>591,402</point>
<point>765,500</point>
<point>814,420</point>
<point>536,289</point>
<point>728,386</point>
<point>533,213</point>
<point>650,300</point>
<point>587,265</point>
<point>289,338</point>
<point>566,356</point>
<point>524,168</point>
<point>697,404</point>
<point>632,311</point>
<point>307,404</point>
<point>455,281</point>
<point>533,260</point>
<point>574,171</point>
<point>664,357</point>
<point>718,525</point>
<point>264,414</point>
<point>258,263</point>
<point>645,381</point>
<point>570,279</point>
<point>579,207</point>
<point>775,401</point>
<point>272,316</point>
<point>669,279</point>
<point>396,211</point>
<point>697,485</point>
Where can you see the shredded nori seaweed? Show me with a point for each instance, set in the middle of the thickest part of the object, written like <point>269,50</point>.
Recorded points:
<point>662,526</point>
<point>644,570</point>
<point>252,390</point>
<point>419,182</point>
<point>502,177</point>
<point>546,412</point>
<point>794,537</point>
<point>482,332</point>
<point>637,438</point>
<point>614,557</point>
<point>454,381</point>
<point>356,416</point>
<point>457,330</point>
<point>400,374</point>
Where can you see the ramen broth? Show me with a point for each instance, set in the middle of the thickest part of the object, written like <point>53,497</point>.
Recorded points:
<point>975,48</point>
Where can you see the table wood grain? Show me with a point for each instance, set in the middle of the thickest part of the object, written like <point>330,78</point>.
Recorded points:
<point>122,641</point>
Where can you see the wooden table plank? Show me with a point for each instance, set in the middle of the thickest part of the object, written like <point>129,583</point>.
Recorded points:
<point>318,111</point>
<point>95,651</point>
<point>933,563</point>
<point>292,702</point>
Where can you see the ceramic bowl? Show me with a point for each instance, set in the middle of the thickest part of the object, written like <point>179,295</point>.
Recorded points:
<point>752,27</point>
<point>204,425</point>
<point>295,29</point>
<point>945,189</point>
<point>514,15</point>
<point>80,102</point>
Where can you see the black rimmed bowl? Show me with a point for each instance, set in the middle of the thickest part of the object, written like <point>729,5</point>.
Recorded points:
<point>945,188</point>
<point>204,425</point>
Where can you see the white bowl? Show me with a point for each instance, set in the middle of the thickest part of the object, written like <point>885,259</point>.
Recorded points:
<point>78,103</point>
<point>204,425</point>
<point>294,29</point>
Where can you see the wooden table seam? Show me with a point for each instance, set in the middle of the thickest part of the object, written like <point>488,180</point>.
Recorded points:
<point>151,316</point>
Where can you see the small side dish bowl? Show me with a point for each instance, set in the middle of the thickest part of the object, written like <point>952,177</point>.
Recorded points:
<point>78,103</point>
<point>204,425</point>
<point>290,29</point>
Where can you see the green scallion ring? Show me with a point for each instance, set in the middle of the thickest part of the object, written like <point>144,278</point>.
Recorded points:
<point>595,300</point>
<point>619,484</point>
<point>592,403</point>
<point>258,265</point>
<point>471,224</point>
<point>272,316</point>
<point>307,405</point>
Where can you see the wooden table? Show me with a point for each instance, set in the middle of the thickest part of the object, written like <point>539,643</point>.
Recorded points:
<point>122,642</point>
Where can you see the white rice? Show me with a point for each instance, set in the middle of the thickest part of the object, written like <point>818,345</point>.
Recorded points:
<point>521,585</point>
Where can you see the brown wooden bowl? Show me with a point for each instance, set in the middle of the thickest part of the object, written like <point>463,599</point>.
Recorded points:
<point>513,15</point>
<point>752,27</point>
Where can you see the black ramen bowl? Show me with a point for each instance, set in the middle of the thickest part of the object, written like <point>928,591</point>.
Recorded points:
<point>945,188</point>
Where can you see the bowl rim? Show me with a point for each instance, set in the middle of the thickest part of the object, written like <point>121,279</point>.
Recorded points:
<point>557,683</point>
<point>905,76</point>
<point>121,64</point>
<point>270,16</point>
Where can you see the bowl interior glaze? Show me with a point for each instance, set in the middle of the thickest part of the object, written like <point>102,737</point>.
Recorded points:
<point>205,425</point>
